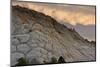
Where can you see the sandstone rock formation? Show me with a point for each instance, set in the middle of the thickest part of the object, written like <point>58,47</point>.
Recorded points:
<point>39,37</point>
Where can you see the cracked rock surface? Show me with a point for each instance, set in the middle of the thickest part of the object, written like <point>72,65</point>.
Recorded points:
<point>39,37</point>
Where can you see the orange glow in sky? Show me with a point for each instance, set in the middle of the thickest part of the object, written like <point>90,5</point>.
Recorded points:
<point>65,13</point>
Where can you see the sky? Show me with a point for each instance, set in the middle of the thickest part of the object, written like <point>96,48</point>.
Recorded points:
<point>82,18</point>
<point>73,14</point>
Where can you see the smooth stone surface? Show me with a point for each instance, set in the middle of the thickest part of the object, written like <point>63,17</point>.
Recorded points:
<point>34,53</point>
<point>23,48</point>
<point>23,37</point>
<point>15,41</point>
<point>13,48</point>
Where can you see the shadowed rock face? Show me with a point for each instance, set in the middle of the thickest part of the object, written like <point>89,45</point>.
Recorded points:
<point>40,37</point>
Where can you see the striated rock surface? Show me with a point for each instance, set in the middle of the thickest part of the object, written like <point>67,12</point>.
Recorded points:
<point>39,37</point>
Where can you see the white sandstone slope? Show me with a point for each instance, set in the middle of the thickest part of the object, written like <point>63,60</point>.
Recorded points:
<point>39,37</point>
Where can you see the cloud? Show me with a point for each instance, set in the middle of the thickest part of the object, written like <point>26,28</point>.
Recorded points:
<point>72,14</point>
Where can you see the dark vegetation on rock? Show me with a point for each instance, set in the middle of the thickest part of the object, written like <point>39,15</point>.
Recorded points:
<point>24,62</point>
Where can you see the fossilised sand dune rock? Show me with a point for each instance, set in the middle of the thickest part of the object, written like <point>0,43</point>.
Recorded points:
<point>22,38</point>
<point>15,56</point>
<point>45,38</point>
<point>24,48</point>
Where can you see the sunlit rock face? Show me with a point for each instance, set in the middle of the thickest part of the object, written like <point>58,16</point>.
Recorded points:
<point>39,37</point>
